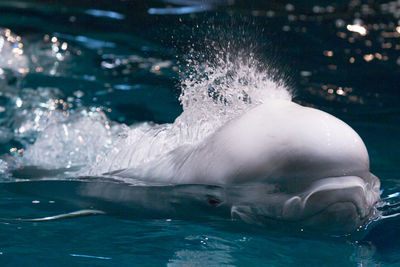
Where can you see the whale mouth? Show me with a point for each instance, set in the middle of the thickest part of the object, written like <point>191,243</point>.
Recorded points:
<point>325,193</point>
<point>340,204</point>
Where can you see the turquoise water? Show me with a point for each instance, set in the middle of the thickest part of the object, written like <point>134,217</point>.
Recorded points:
<point>93,66</point>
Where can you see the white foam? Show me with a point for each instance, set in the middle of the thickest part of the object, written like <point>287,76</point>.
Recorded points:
<point>212,94</point>
<point>71,143</point>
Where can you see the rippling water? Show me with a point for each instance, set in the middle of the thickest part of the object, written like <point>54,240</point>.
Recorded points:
<point>74,74</point>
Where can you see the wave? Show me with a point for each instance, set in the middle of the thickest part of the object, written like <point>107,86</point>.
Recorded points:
<point>59,133</point>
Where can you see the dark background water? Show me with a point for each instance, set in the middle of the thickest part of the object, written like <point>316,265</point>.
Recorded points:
<point>354,76</point>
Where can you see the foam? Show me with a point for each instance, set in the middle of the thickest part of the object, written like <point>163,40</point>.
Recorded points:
<point>212,94</point>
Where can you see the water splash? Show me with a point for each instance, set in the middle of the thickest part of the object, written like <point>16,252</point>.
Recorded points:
<point>62,133</point>
<point>72,142</point>
<point>11,53</point>
<point>14,64</point>
<point>54,132</point>
<point>390,207</point>
<point>213,92</point>
<point>220,89</point>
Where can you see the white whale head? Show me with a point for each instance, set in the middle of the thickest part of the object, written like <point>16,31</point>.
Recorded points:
<point>298,164</point>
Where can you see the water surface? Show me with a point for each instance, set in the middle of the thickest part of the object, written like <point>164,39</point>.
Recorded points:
<point>87,68</point>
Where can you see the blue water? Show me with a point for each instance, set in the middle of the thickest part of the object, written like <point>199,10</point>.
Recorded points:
<point>125,59</point>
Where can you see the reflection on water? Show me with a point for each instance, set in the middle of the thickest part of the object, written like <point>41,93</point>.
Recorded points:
<point>78,66</point>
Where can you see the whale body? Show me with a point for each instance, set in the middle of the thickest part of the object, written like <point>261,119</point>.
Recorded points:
<point>293,163</point>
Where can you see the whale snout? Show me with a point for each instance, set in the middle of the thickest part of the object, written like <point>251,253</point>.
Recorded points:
<point>346,201</point>
<point>334,204</point>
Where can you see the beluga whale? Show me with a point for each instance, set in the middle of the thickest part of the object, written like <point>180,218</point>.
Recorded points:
<point>241,142</point>
<point>287,163</point>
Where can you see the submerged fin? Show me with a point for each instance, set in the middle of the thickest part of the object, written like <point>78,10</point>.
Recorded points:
<point>64,216</point>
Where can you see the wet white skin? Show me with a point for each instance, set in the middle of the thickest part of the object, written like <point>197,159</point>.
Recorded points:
<point>309,165</point>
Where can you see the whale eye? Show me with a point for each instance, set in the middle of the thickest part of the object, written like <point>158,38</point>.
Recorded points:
<point>213,201</point>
